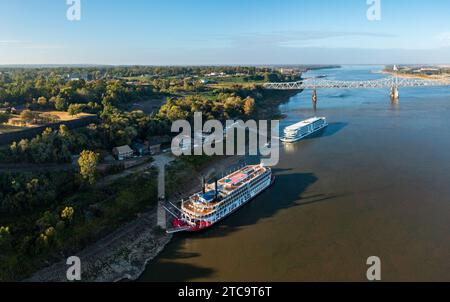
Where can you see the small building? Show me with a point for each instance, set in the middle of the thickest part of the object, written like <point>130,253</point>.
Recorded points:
<point>9,110</point>
<point>123,152</point>
<point>430,71</point>
<point>288,71</point>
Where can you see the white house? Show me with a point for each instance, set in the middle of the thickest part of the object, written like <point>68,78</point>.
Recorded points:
<point>123,152</point>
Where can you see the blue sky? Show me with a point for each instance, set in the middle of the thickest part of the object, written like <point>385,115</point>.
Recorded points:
<point>177,32</point>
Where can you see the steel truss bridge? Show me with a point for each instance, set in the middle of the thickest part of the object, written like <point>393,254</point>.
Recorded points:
<point>316,83</point>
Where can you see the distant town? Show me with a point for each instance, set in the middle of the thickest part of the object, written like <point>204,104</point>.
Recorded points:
<point>438,72</point>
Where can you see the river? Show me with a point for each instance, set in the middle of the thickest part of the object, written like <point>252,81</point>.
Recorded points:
<point>374,183</point>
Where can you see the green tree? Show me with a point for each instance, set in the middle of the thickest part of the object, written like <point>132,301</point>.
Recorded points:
<point>28,116</point>
<point>75,109</point>
<point>88,165</point>
<point>271,77</point>
<point>60,103</point>
<point>67,213</point>
<point>5,237</point>
<point>63,131</point>
<point>249,106</point>
<point>42,101</point>
<point>4,118</point>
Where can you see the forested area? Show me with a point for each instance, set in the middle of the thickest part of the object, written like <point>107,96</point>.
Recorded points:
<point>110,97</point>
<point>45,214</point>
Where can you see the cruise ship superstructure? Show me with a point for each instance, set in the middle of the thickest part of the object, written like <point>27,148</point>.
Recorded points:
<point>221,198</point>
<point>303,129</point>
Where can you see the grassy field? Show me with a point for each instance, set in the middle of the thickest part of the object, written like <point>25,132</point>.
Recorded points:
<point>149,106</point>
<point>59,116</point>
<point>230,85</point>
<point>64,116</point>
<point>231,81</point>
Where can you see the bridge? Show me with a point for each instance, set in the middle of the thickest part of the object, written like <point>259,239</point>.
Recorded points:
<point>320,83</point>
<point>393,83</point>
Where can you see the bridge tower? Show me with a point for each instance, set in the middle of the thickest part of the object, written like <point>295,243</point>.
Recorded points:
<point>314,96</point>
<point>394,86</point>
<point>394,90</point>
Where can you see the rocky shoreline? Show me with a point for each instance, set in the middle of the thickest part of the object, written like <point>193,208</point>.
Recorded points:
<point>121,255</point>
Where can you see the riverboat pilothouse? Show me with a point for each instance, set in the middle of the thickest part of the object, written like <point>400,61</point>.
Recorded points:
<point>220,199</point>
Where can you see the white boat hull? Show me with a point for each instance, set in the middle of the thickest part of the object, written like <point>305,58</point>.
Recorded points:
<point>299,138</point>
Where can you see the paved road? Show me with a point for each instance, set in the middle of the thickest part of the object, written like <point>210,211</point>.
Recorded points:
<point>161,161</point>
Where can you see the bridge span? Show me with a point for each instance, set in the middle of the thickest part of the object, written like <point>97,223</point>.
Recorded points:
<point>393,83</point>
<point>320,83</point>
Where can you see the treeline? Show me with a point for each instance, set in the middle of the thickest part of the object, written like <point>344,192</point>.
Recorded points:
<point>32,217</point>
<point>58,146</point>
<point>52,146</point>
<point>111,72</point>
<point>222,107</point>
<point>58,88</point>
<point>24,193</point>
<point>122,128</point>
<point>44,215</point>
<point>119,127</point>
<point>55,93</point>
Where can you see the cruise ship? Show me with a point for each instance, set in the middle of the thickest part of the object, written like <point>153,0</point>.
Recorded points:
<point>303,129</point>
<point>220,199</point>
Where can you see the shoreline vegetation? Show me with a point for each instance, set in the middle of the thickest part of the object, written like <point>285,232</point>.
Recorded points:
<point>55,201</point>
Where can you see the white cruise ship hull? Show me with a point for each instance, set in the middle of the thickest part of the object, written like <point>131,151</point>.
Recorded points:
<point>244,199</point>
<point>293,136</point>
<point>236,200</point>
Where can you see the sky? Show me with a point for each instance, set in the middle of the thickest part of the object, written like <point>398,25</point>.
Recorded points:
<point>238,32</point>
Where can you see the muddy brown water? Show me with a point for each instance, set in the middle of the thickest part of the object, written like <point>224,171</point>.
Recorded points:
<point>376,182</point>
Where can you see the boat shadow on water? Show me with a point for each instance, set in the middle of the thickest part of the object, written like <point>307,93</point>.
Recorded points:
<point>291,186</point>
<point>330,130</point>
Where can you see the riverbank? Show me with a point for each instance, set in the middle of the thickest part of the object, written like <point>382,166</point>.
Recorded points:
<point>121,255</point>
<point>440,78</point>
<point>125,253</point>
